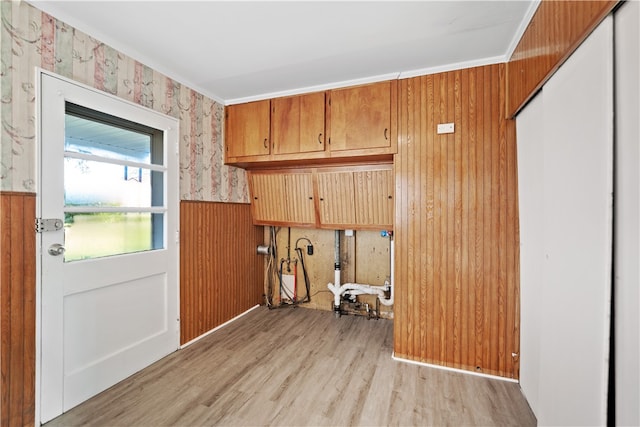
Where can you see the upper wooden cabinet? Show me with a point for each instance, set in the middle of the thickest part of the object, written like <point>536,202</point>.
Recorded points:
<point>247,128</point>
<point>363,118</point>
<point>297,124</point>
<point>359,123</point>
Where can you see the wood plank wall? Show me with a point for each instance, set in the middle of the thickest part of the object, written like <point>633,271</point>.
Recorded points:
<point>17,308</point>
<point>221,276</point>
<point>456,224</point>
<point>555,31</point>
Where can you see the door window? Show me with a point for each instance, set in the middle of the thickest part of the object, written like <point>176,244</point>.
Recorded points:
<point>113,186</point>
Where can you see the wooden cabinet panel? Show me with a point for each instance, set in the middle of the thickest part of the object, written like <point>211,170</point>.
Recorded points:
<point>247,129</point>
<point>354,197</point>
<point>363,117</point>
<point>282,198</point>
<point>358,122</point>
<point>374,202</point>
<point>268,198</point>
<point>297,124</point>
<point>336,204</point>
<point>300,201</point>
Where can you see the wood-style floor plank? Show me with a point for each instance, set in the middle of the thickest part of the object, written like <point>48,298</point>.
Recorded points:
<point>299,367</point>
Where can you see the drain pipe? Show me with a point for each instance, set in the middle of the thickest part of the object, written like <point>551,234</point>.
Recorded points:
<point>389,301</point>
<point>335,288</point>
<point>357,288</point>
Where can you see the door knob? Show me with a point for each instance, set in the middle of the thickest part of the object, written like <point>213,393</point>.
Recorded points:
<point>56,249</point>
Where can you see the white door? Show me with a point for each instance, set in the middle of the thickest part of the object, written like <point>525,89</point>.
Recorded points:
<point>109,275</point>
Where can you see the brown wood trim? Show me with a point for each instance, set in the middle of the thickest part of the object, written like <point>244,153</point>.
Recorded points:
<point>221,276</point>
<point>17,193</point>
<point>17,308</point>
<point>555,31</point>
<point>348,159</point>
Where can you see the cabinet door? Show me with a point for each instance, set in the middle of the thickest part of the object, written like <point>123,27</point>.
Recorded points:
<point>374,194</point>
<point>297,123</point>
<point>336,206</point>
<point>247,129</point>
<point>361,117</point>
<point>299,195</point>
<point>267,198</point>
<point>279,198</point>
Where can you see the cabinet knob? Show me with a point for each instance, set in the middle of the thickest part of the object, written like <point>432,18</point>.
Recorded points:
<point>265,143</point>
<point>320,138</point>
<point>390,197</point>
<point>385,133</point>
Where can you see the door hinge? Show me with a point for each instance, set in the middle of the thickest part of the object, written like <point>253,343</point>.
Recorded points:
<point>48,224</point>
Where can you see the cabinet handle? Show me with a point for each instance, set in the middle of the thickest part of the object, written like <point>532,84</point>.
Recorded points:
<point>265,143</point>
<point>320,138</point>
<point>385,133</point>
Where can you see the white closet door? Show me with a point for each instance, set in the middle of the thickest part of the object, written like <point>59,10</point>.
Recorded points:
<point>627,212</point>
<point>565,167</point>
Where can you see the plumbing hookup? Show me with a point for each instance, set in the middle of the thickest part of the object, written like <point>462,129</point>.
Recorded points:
<point>287,268</point>
<point>349,291</point>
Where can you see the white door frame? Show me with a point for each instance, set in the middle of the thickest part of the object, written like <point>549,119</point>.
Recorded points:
<point>172,203</point>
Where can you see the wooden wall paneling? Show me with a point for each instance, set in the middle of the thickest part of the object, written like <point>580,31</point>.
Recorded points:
<point>17,305</point>
<point>479,213</point>
<point>456,223</point>
<point>221,276</point>
<point>555,31</point>
<point>428,174</point>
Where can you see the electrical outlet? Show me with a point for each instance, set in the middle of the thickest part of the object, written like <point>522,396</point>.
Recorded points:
<point>445,128</point>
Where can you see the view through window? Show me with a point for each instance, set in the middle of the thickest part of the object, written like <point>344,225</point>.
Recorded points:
<point>113,185</point>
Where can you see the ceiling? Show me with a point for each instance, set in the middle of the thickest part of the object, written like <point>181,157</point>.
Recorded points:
<point>236,51</point>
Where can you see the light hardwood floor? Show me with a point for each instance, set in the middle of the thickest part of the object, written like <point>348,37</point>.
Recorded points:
<point>300,367</point>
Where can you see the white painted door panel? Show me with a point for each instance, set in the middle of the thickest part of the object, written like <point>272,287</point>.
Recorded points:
<point>104,318</point>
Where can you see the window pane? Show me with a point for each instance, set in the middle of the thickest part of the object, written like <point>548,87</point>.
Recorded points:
<point>90,183</point>
<point>94,235</point>
<point>93,137</point>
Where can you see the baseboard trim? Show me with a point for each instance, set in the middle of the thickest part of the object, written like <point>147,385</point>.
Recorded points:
<point>218,327</point>
<point>446,368</point>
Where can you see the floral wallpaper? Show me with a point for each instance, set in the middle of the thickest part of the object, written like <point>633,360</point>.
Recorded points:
<point>30,38</point>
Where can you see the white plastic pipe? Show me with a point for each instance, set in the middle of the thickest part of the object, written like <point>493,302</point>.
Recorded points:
<point>389,301</point>
<point>361,289</point>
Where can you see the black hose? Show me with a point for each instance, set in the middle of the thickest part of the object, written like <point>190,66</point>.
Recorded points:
<point>307,284</point>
